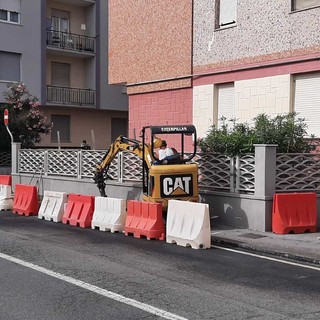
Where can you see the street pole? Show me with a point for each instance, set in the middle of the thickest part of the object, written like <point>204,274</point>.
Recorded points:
<point>6,123</point>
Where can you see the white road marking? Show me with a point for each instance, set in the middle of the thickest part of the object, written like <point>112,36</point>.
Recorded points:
<point>103,292</point>
<point>267,258</point>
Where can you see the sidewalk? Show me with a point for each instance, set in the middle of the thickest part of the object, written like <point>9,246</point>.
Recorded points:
<point>300,247</point>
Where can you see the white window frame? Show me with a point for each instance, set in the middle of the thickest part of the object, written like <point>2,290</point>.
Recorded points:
<point>308,4</point>
<point>306,100</point>
<point>227,13</point>
<point>225,96</point>
<point>9,15</point>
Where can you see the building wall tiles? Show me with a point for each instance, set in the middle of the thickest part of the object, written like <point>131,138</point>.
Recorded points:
<point>146,49</point>
<point>159,108</point>
<point>265,31</point>
<point>203,101</point>
<point>270,95</point>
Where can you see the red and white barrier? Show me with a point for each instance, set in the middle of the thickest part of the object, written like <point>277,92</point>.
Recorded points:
<point>6,201</point>
<point>25,200</point>
<point>52,206</point>
<point>188,224</point>
<point>109,214</point>
<point>144,219</point>
<point>79,210</point>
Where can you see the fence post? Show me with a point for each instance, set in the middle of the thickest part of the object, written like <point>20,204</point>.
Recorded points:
<point>232,173</point>
<point>45,163</point>
<point>120,167</point>
<point>15,147</point>
<point>265,170</point>
<point>79,171</point>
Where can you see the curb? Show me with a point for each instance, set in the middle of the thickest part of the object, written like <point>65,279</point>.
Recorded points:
<point>235,244</point>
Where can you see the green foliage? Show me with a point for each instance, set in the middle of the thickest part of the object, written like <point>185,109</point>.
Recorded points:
<point>26,122</point>
<point>287,131</point>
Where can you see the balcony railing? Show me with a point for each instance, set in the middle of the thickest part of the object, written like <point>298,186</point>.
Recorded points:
<point>70,41</point>
<point>72,96</point>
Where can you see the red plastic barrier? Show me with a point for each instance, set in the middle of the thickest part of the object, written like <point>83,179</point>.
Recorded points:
<point>5,180</point>
<point>145,219</point>
<point>294,213</point>
<point>79,210</point>
<point>25,200</point>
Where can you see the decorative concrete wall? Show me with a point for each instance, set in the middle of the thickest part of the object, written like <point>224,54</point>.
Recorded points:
<point>253,211</point>
<point>264,31</point>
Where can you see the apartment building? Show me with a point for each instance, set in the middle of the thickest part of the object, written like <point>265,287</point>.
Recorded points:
<point>204,59</point>
<point>159,62</point>
<point>59,49</point>
<point>256,57</point>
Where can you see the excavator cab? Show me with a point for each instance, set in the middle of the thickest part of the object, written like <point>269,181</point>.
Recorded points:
<point>175,178</point>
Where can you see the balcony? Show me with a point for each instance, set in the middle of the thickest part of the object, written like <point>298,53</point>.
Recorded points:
<point>70,41</point>
<point>70,96</point>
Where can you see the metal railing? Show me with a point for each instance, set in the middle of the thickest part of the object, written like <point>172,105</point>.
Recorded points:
<point>216,172</point>
<point>70,41</point>
<point>67,95</point>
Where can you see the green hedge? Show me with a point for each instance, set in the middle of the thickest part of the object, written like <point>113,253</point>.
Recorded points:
<point>287,131</point>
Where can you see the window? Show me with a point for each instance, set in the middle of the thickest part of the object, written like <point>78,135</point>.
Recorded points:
<point>226,104</point>
<point>60,20</point>
<point>227,10</point>
<point>307,101</point>
<point>304,4</point>
<point>60,74</point>
<point>10,11</point>
<point>61,123</point>
<point>9,66</point>
<point>119,126</point>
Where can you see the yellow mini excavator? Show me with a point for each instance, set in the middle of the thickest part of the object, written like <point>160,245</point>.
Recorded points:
<point>175,178</point>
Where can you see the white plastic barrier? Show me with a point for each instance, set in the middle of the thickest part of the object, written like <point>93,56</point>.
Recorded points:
<point>109,214</point>
<point>188,224</point>
<point>52,206</point>
<point>6,201</point>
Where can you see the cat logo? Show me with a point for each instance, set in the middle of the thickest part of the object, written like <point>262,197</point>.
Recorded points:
<point>176,185</point>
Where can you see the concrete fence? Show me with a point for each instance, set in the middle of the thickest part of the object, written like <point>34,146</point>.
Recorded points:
<point>239,190</point>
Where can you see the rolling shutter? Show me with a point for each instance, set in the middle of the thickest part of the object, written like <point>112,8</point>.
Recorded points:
<point>303,4</point>
<point>10,5</point>
<point>307,101</point>
<point>9,66</point>
<point>60,74</point>
<point>226,105</point>
<point>228,12</point>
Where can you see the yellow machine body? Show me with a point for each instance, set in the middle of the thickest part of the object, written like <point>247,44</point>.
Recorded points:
<point>177,181</point>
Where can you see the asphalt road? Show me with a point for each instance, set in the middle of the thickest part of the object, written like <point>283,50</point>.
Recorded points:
<point>55,271</point>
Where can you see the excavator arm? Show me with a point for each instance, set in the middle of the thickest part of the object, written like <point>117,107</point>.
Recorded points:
<point>120,144</point>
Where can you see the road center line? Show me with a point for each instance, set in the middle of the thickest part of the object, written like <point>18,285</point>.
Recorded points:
<point>103,292</point>
<point>267,258</point>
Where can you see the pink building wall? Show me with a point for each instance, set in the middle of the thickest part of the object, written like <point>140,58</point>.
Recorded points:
<point>160,108</point>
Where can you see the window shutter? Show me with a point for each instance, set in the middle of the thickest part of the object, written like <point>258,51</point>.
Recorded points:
<point>226,105</point>
<point>303,4</point>
<point>10,5</point>
<point>60,74</point>
<point>61,123</point>
<point>228,12</point>
<point>307,101</point>
<point>9,66</point>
